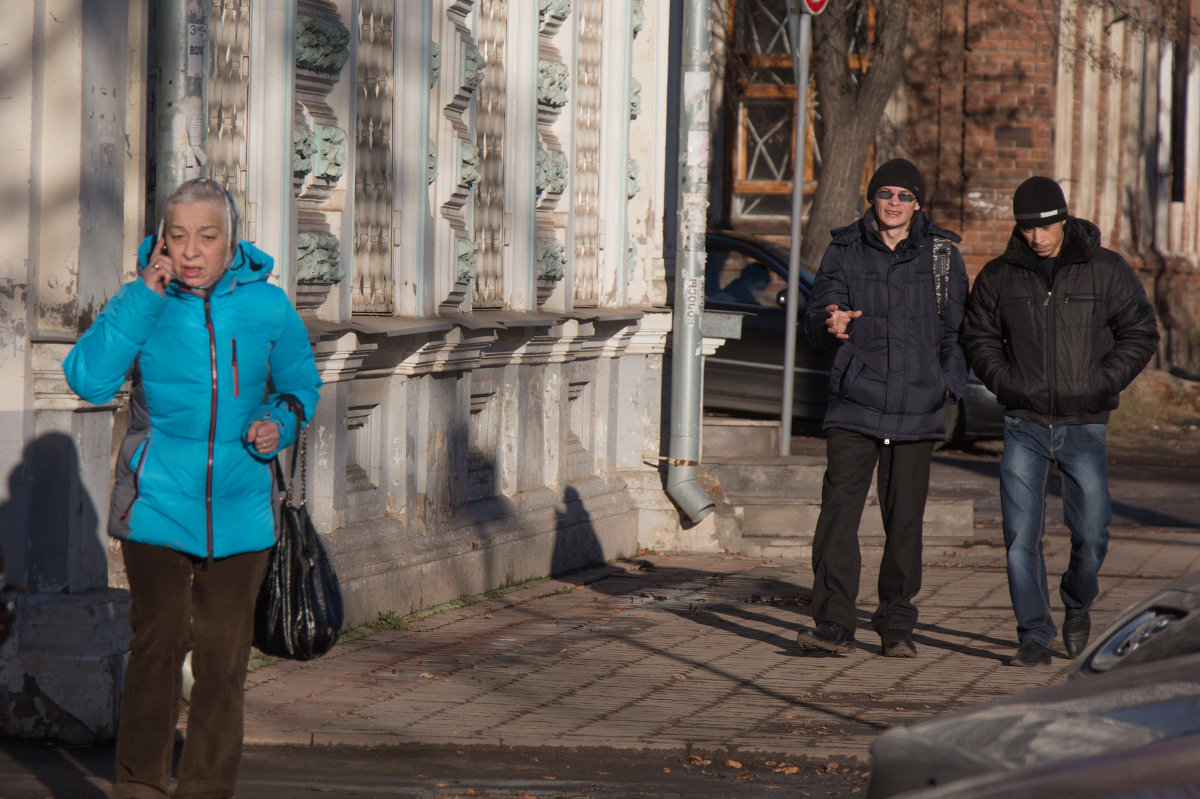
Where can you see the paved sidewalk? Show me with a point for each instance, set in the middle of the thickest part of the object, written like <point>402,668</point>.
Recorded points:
<point>695,655</point>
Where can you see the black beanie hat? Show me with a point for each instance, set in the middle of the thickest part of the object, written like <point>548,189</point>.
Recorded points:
<point>898,172</point>
<point>1039,201</point>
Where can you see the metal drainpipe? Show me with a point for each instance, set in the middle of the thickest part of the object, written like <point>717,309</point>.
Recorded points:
<point>686,337</point>
<point>182,123</point>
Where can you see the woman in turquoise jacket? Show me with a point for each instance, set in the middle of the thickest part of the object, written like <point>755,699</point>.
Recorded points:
<point>222,378</point>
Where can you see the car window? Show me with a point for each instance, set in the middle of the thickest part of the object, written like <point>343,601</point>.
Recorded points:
<point>735,277</point>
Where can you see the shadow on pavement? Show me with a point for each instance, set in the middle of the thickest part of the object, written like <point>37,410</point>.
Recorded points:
<point>63,772</point>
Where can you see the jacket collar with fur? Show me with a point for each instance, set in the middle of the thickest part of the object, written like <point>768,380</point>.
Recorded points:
<point>866,229</point>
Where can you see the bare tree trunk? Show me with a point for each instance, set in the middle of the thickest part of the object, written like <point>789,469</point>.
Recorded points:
<point>850,105</point>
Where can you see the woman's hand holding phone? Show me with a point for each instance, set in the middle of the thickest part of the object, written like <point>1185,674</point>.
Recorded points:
<point>160,268</point>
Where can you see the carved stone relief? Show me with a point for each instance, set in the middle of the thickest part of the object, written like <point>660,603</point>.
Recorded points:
<point>551,259</point>
<point>468,163</point>
<point>588,144</point>
<point>456,135</point>
<point>372,285</point>
<point>319,140</point>
<point>228,101</point>
<point>466,253</point>
<point>550,173</point>
<point>322,44</point>
<point>318,257</point>
<point>553,84</point>
<point>491,104</point>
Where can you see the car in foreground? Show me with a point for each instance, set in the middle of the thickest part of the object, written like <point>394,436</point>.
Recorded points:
<point>749,275</point>
<point>1163,624</point>
<point>1104,716</point>
<point>1160,770</point>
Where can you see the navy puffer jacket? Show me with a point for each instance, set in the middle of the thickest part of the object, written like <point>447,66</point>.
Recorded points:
<point>902,362</point>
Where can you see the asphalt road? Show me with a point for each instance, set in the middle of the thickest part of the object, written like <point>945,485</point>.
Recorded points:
<point>31,770</point>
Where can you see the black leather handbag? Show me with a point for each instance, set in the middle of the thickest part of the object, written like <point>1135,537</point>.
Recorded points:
<point>299,611</point>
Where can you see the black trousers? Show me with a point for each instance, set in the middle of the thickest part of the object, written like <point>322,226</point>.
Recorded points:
<point>903,484</point>
<point>178,602</point>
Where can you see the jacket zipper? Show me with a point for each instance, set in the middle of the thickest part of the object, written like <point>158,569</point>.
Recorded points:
<point>235,369</point>
<point>212,424</point>
<point>1051,361</point>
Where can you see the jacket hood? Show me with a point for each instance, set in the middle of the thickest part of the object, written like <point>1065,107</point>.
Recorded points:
<point>249,262</point>
<point>1080,241</point>
<point>866,229</point>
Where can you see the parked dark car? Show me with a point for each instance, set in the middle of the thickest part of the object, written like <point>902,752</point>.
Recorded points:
<point>1111,713</point>
<point>1164,623</point>
<point>748,275</point>
<point>1167,768</point>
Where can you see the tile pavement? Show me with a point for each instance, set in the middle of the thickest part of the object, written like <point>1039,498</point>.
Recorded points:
<point>696,654</point>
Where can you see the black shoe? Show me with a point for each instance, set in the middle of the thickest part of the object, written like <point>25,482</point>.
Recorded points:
<point>828,637</point>
<point>1076,628</point>
<point>1030,654</point>
<point>899,645</point>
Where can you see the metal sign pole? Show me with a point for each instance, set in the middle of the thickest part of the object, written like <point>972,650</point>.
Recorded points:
<point>800,23</point>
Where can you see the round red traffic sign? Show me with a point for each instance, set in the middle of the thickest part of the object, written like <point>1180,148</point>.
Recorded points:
<point>815,6</point>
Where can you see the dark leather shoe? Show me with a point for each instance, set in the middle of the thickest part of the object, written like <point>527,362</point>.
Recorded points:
<point>899,645</point>
<point>1030,654</point>
<point>1075,632</point>
<point>828,637</point>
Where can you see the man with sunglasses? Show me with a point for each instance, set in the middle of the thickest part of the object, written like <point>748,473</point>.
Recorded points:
<point>1056,327</point>
<point>889,297</point>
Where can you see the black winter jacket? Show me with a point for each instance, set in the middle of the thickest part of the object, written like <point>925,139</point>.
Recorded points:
<point>890,379</point>
<point>1059,353</point>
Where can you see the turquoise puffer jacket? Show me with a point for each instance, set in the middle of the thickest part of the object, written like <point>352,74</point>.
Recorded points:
<point>185,477</point>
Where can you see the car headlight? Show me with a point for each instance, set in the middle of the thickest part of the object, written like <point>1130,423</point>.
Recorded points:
<point>1133,634</point>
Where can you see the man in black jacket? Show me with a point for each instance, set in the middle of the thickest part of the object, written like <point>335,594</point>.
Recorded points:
<point>893,309</point>
<point>1056,328</point>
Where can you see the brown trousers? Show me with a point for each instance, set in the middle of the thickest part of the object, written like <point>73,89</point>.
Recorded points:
<point>179,602</point>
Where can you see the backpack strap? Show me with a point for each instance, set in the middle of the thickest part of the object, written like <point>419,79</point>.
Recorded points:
<point>941,273</point>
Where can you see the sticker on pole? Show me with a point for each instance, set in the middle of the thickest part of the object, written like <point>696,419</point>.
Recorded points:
<point>815,6</point>
<point>197,38</point>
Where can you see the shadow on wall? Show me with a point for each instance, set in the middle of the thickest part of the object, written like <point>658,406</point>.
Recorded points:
<point>576,545</point>
<point>49,528</point>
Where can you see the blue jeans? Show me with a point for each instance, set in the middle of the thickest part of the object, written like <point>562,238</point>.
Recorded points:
<point>1029,451</point>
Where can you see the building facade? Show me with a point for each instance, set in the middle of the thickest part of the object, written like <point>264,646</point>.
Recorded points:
<point>466,200</point>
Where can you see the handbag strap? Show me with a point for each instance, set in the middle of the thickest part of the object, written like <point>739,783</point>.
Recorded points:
<point>299,453</point>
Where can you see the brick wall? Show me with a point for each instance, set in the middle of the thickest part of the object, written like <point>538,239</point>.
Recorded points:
<point>981,82</point>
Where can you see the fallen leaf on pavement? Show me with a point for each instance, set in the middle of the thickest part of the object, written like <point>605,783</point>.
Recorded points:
<point>733,764</point>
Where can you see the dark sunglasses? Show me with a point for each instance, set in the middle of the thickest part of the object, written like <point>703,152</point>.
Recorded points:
<point>887,194</point>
